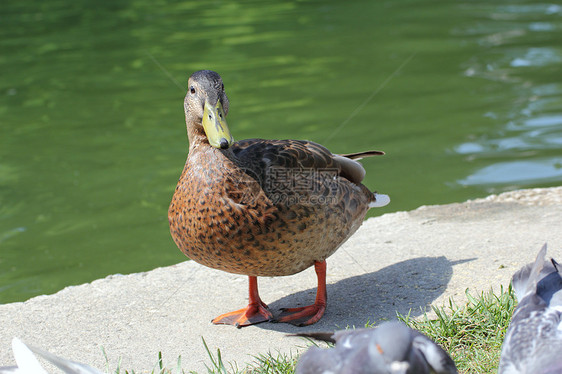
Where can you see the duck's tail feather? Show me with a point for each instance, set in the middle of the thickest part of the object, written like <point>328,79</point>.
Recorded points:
<point>380,200</point>
<point>350,169</point>
<point>525,280</point>
<point>360,155</point>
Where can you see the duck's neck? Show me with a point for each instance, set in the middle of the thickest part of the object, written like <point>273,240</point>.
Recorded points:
<point>195,133</point>
<point>207,162</point>
<point>199,145</point>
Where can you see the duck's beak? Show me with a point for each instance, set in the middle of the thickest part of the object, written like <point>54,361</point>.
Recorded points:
<point>214,124</point>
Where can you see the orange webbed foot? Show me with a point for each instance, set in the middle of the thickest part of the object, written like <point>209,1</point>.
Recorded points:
<point>303,316</point>
<point>251,315</point>
<point>308,315</point>
<point>256,311</point>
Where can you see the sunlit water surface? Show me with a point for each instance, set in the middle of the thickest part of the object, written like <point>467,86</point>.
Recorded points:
<point>464,97</point>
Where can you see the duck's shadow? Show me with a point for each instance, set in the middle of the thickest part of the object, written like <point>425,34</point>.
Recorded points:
<point>404,287</point>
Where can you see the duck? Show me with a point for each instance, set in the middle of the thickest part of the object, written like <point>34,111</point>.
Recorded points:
<point>262,208</point>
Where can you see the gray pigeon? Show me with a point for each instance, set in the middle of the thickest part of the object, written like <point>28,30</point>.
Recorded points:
<point>533,342</point>
<point>390,348</point>
<point>28,363</point>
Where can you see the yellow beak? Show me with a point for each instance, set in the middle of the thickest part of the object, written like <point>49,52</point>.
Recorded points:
<point>214,124</point>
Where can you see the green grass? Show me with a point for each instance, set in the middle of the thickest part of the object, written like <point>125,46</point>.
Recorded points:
<point>263,364</point>
<point>471,333</point>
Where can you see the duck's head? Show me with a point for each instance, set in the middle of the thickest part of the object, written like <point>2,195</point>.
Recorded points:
<point>206,107</point>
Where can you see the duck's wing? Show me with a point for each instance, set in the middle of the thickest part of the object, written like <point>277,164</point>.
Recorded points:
<point>261,156</point>
<point>282,154</point>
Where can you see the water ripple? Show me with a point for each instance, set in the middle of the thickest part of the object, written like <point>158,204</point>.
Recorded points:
<point>517,172</point>
<point>522,140</point>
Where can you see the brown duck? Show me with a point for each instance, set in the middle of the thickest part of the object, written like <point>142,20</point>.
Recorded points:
<point>262,207</point>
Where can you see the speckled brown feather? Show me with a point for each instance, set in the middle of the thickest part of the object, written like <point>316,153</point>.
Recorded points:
<point>263,207</point>
<point>228,214</point>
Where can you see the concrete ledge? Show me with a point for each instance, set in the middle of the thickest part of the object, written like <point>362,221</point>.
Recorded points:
<point>393,263</point>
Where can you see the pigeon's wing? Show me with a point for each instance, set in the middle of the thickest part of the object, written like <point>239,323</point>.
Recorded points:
<point>351,354</point>
<point>543,334</point>
<point>435,356</point>
<point>525,280</point>
<point>533,341</point>
<point>549,287</point>
<point>353,339</point>
<point>390,348</point>
<point>317,361</point>
<point>69,367</point>
<point>10,370</point>
<point>28,364</point>
<point>549,343</point>
<point>522,335</point>
<point>25,359</point>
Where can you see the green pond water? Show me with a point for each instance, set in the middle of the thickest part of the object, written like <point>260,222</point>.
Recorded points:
<point>465,97</point>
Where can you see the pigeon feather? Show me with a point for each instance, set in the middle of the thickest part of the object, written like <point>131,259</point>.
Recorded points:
<point>390,348</point>
<point>533,342</point>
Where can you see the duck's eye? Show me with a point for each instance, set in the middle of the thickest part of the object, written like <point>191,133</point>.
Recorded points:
<point>192,89</point>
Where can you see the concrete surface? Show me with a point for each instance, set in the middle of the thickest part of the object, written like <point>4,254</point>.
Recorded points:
<point>393,263</point>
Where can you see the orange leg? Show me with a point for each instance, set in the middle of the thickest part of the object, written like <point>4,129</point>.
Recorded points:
<point>256,311</point>
<point>308,315</point>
